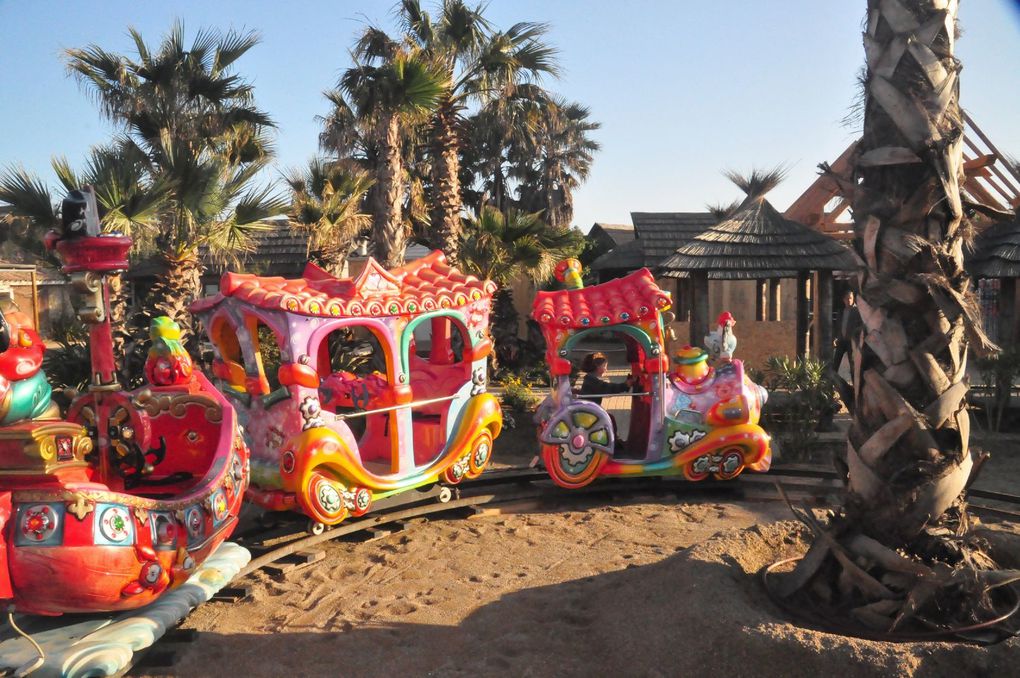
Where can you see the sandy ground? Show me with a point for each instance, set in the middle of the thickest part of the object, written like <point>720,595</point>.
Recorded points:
<point>644,589</point>
<point>649,589</point>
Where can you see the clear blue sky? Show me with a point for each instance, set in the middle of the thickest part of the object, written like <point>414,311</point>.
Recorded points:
<point>683,89</point>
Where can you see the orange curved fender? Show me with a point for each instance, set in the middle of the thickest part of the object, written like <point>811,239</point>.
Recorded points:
<point>482,411</point>
<point>315,447</point>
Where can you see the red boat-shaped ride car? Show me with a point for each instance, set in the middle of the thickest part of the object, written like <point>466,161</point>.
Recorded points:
<point>121,501</point>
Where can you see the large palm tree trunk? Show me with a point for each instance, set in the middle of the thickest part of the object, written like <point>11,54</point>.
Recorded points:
<point>387,217</point>
<point>907,451</point>
<point>911,422</point>
<point>446,181</point>
<point>178,286</point>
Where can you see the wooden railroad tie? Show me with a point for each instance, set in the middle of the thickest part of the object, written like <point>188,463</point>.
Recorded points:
<point>294,561</point>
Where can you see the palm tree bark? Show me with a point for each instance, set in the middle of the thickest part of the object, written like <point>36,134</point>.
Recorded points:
<point>387,218</point>
<point>908,447</point>
<point>912,423</point>
<point>173,292</point>
<point>446,180</point>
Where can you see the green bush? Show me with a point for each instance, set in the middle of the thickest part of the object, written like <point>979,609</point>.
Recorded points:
<point>802,396</point>
<point>518,395</point>
<point>68,364</point>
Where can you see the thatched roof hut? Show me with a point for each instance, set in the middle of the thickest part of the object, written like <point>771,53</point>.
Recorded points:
<point>756,242</point>
<point>655,236</point>
<point>996,258</point>
<point>996,252</point>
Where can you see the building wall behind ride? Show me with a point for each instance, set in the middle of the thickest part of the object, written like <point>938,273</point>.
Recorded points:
<point>756,341</point>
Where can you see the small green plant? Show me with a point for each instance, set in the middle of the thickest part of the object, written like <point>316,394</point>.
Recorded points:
<point>68,365</point>
<point>518,395</point>
<point>999,372</point>
<point>802,397</point>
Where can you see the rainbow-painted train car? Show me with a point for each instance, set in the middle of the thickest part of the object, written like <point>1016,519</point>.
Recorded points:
<point>354,389</point>
<point>688,418</point>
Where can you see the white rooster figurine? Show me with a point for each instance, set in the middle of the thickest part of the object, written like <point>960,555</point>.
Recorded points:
<point>722,343</point>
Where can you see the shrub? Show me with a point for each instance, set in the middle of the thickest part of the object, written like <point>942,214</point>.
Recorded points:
<point>810,398</point>
<point>518,395</point>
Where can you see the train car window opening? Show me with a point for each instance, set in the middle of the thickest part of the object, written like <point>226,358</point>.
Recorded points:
<point>436,362</point>
<point>267,355</point>
<point>224,338</point>
<point>356,377</point>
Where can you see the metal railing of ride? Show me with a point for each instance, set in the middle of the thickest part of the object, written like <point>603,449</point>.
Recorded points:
<point>391,408</point>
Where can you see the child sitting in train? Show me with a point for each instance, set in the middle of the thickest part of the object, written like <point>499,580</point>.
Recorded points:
<point>594,366</point>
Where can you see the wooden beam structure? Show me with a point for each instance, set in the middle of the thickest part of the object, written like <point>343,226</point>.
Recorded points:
<point>803,313</point>
<point>761,299</point>
<point>990,178</point>
<point>699,315</point>
<point>823,320</point>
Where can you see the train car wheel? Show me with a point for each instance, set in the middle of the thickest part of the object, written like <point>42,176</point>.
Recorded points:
<point>323,499</point>
<point>362,501</point>
<point>693,470</point>
<point>567,470</point>
<point>481,452</point>
<point>456,471</point>
<point>732,464</point>
<point>445,495</point>
<point>315,527</point>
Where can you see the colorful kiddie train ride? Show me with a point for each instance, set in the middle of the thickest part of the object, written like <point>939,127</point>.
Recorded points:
<point>692,419</point>
<point>122,500</point>
<point>354,389</point>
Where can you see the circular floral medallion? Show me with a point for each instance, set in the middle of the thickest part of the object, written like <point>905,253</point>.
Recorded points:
<point>38,523</point>
<point>329,498</point>
<point>151,572</point>
<point>193,520</point>
<point>115,524</point>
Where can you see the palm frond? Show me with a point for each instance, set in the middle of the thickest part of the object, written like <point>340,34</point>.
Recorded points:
<point>28,197</point>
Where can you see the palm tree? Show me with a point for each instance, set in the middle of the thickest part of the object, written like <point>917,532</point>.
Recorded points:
<point>195,123</point>
<point>350,140</point>
<point>129,199</point>
<point>481,64</point>
<point>557,160</point>
<point>505,247</point>
<point>390,87</point>
<point>327,200</point>
<point>902,536</point>
<point>494,139</point>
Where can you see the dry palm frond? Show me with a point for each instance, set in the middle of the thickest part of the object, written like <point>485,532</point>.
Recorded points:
<point>722,212</point>
<point>758,182</point>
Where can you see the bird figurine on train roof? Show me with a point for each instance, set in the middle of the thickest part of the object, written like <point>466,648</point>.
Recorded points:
<point>722,343</point>
<point>568,272</point>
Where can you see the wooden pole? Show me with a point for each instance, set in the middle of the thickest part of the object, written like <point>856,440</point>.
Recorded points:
<point>699,318</point>
<point>803,306</point>
<point>1007,312</point>
<point>35,300</point>
<point>775,293</point>
<point>761,300</point>
<point>823,319</point>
